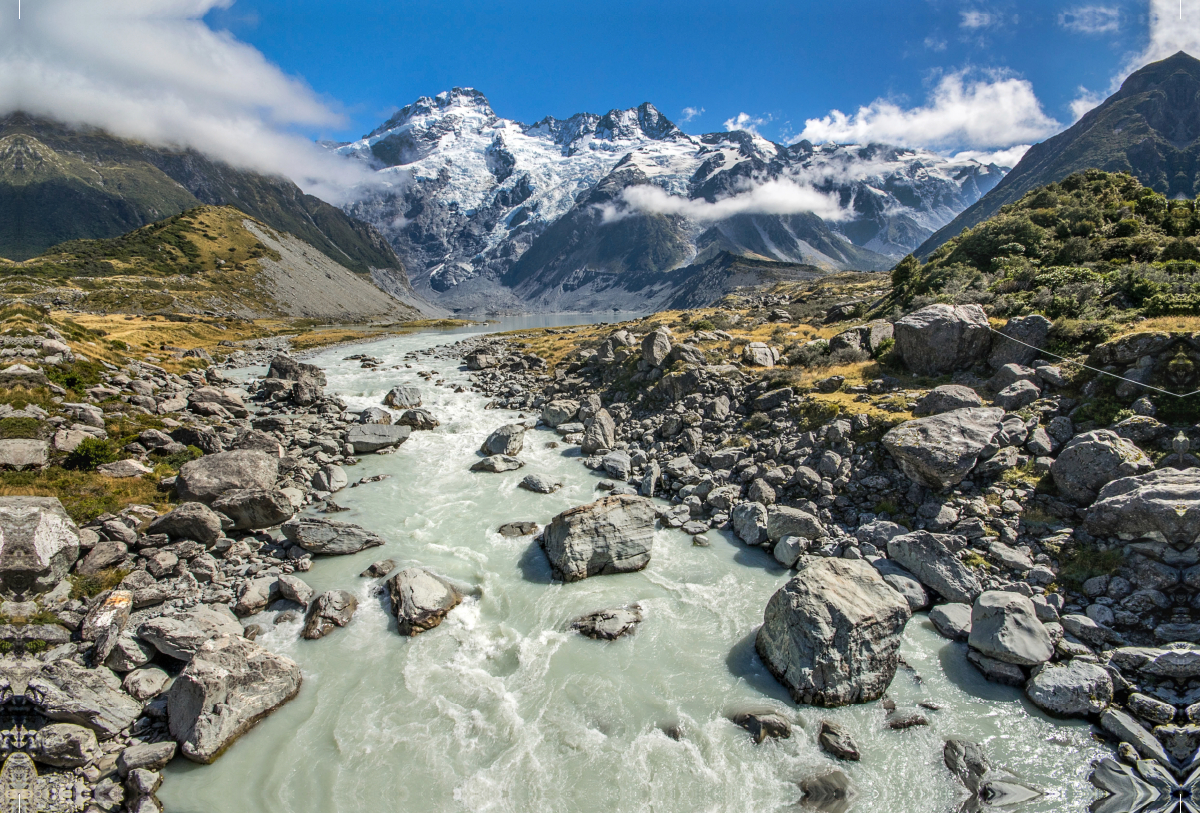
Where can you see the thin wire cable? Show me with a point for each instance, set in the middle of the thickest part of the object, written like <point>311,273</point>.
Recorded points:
<point>1093,369</point>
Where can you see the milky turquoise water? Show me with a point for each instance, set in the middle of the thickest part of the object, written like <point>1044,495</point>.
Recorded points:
<point>502,709</point>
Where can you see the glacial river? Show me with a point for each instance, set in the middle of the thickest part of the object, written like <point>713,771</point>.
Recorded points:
<point>501,708</point>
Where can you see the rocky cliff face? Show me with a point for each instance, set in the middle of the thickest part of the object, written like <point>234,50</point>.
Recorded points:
<point>492,214</point>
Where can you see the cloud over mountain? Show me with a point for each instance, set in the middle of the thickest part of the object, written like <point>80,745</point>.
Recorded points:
<point>153,70</point>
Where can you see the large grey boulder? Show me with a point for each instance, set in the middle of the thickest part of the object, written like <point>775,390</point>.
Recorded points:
<point>329,537</point>
<point>601,434</point>
<point>507,440</point>
<point>310,379</point>
<point>559,411</point>
<point>947,398</point>
<point>229,685</point>
<point>611,535</point>
<point>330,477</point>
<point>420,599</point>
<point>940,451</point>
<point>1020,339</point>
<point>294,588</point>
<point>931,560</point>
<point>421,419</point>
<point>331,609</point>
<point>1093,459</point>
<point>405,396</point>
<point>1162,505</point>
<point>656,347</point>
<point>181,635</point>
<point>38,545</point>
<point>1004,626</point>
<point>904,583</point>
<point>952,620</point>
<point>864,338</point>
<point>209,477</point>
<point>371,437</point>
<point>831,635</point>
<point>65,745</point>
<point>941,338</point>
<point>254,508</point>
<point>749,521</point>
<point>1076,689</point>
<point>192,520</point>
<point>71,693</point>
<point>784,521</point>
<point>20,453</point>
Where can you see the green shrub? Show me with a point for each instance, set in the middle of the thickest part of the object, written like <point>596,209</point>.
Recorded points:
<point>90,453</point>
<point>94,584</point>
<point>811,413</point>
<point>703,324</point>
<point>1083,562</point>
<point>179,458</point>
<point>19,428</point>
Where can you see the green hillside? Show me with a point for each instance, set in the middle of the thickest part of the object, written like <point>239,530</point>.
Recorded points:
<point>1097,245</point>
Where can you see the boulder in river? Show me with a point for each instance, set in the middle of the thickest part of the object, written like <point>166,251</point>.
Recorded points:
<point>405,396</point>
<point>539,484</point>
<point>367,438</point>
<point>942,338</point>
<point>952,620</point>
<point>507,440</point>
<point>420,599</point>
<point>330,477</point>
<point>601,434</point>
<point>254,508</point>
<point>38,545</point>
<point>417,418</point>
<point>1004,626</point>
<point>331,609</point>
<point>835,740</point>
<point>611,535</point>
<point>1089,461</point>
<point>939,451</point>
<point>928,557</point>
<point>498,463</point>
<point>329,537</point>
<point>1075,689</point>
<point>207,478</point>
<point>228,686</point>
<point>831,635</point>
<point>763,725</point>
<point>608,625</point>
<point>559,411</point>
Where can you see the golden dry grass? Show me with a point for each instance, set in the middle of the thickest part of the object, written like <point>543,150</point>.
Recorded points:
<point>84,494</point>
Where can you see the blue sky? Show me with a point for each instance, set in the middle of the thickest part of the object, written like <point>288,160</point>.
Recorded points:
<point>779,63</point>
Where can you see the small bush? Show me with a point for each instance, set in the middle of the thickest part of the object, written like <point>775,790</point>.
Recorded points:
<point>90,453</point>
<point>178,459</point>
<point>756,422</point>
<point>812,413</point>
<point>93,585</point>
<point>703,324</point>
<point>1084,562</point>
<point>11,428</point>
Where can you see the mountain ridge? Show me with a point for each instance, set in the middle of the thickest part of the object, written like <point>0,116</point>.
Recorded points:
<point>464,197</point>
<point>1128,132</point>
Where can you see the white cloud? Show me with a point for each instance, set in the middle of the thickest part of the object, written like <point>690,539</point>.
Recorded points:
<point>774,197</point>
<point>985,114</point>
<point>1001,158</point>
<point>744,121</point>
<point>690,113</point>
<point>935,43</point>
<point>1085,101</point>
<point>1091,19</point>
<point>153,70</point>
<point>1174,26</point>
<point>977,19</point>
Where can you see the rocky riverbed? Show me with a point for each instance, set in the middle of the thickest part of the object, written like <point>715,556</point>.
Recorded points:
<point>487,656</point>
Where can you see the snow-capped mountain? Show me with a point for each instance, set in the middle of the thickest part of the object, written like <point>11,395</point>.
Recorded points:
<point>492,214</point>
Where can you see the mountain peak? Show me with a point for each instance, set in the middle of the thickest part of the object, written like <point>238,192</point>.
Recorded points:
<point>465,100</point>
